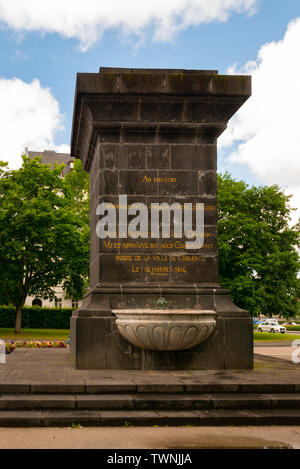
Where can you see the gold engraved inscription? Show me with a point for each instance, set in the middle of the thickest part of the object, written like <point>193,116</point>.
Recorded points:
<point>158,179</point>
<point>142,263</point>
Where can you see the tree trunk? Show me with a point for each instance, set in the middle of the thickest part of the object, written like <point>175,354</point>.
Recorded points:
<point>18,322</point>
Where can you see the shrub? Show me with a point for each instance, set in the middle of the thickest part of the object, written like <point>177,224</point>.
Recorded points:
<point>35,317</point>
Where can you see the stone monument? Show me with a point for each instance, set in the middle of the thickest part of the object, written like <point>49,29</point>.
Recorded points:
<point>148,138</point>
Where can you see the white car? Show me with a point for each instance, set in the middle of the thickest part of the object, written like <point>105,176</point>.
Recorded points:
<point>271,327</point>
<point>268,321</point>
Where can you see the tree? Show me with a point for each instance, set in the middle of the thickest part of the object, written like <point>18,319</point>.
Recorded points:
<point>76,192</point>
<point>4,301</point>
<point>40,235</point>
<point>258,248</point>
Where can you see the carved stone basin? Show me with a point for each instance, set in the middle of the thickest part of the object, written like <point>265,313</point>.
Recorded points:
<point>173,329</point>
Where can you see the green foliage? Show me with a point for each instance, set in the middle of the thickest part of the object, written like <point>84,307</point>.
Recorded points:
<point>161,303</point>
<point>43,240</point>
<point>35,334</point>
<point>265,336</point>
<point>76,426</point>
<point>36,318</point>
<point>3,298</point>
<point>76,192</point>
<point>257,247</point>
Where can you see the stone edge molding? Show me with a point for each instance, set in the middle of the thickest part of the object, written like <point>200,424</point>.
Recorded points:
<point>165,330</point>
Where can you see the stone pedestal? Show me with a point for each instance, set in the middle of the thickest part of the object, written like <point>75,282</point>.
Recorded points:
<point>152,135</point>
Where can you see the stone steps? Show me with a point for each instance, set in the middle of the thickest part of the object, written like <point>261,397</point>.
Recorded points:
<point>92,387</point>
<point>60,418</point>
<point>142,409</point>
<point>148,402</point>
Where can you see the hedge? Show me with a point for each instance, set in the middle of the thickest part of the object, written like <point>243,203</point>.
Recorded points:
<point>292,328</point>
<point>35,317</point>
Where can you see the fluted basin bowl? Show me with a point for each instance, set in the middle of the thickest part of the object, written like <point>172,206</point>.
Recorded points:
<point>173,329</point>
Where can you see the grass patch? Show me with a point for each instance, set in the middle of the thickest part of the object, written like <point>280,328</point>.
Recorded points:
<point>76,426</point>
<point>63,334</point>
<point>35,334</point>
<point>269,336</point>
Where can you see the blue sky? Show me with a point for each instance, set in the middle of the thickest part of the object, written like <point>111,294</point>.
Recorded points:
<point>53,54</point>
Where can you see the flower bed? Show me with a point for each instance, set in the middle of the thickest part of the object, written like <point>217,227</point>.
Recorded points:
<point>11,345</point>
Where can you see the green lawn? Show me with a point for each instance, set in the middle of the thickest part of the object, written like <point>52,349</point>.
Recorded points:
<point>270,336</point>
<point>35,334</point>
<point>63,334</point>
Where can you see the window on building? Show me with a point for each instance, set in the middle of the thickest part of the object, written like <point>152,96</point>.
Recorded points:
<point>37,302</point>
<point>74,303</point>
<point>58,303</point>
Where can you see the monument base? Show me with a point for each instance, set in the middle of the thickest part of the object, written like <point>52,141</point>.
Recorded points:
<point>97,344</point>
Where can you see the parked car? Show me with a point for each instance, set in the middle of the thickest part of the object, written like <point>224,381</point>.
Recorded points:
<point>269,320</point>
<point>289,324</point>
<point>268,326</point>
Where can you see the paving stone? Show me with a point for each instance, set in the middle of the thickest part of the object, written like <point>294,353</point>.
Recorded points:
<point>160,388</point>
<point>37,401</point>
<point>67,418</point>
<point>119,418</point>
<point>211,388</point>
<point>224,417</point>
<point>104,401</point>
<point>171,401</point>
<point>267,388</point>
<point>179,417</point>
<point>94,387</point>
<point>274,417</point>
<point>58,388</point>
<point>240,401</point>
<point>3,404</point>
<point>18,418</point>
<point>13,387</point>
<point>285,401</point>
<point>4,374</point>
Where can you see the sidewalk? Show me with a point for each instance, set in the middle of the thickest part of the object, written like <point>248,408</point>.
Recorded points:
<point>282,351</point>
<point>151,438</point>
<point>27,369</point>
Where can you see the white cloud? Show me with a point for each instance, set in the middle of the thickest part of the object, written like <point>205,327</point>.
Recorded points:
<point>86,21</point>
<point>29,117</point>
<point>267,128</point>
